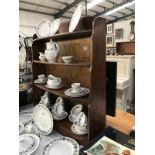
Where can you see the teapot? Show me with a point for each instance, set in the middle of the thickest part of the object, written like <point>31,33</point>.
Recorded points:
<point>52,51</point>
<point>54,82</point>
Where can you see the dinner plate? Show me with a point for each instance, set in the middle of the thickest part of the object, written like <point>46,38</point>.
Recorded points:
<point>54,87</point>
<point>61,146</point>
<point>21,128</point>
<point>69,93</point>
<point>40,82</point>
<point>43,28</point>
<point>78,131</point>
<point>75,18</point>
<point>54,26</point>
<point>25,118</point>
<point>28,143</point>
<point>43,119</point>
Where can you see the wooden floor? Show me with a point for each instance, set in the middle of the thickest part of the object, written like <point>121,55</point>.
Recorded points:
<point>123,121</point>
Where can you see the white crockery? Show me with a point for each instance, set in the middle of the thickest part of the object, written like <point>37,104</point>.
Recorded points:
<point>21,128</point>
<point>81,119</point>
<point>54,26</point>
<point>52,51</point>
<point>42,57</point>
<point>67,59</point>
<point>75,18</point>
<point>41,77</point>
<point>54,83</point>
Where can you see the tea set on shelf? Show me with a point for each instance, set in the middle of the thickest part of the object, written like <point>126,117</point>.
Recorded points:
<point>52,53</point>
<point>79,120</point>
<point>40,121</point>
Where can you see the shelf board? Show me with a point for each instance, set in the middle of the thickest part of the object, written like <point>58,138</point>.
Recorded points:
<point>64,127</point>
<point>60,92</point>
<point>78,64</point>
<point>66,36</point>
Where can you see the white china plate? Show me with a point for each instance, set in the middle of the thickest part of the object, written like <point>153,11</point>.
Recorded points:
<point>54,26</point>
<point>43,119</point>
<point>61,146</point>
<point>25,118</point>
<point>69,93</point>
<point>28,143</point>
<point>40,82</point>
<point>43,28</point>
<point>78,132</point>
<point>54,87</point>
<point>75,18</point>
<point>21,128</point>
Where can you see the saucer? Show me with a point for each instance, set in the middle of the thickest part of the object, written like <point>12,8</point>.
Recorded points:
<point>40,82</point>
<point>69,93</point>
<point>54,87</point>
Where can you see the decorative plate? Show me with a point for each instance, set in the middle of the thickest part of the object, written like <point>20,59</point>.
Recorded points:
<point>25,118</point>
<point>75,18</point>
<point>43,119</point>
<point>43,28</point>
<point>40,82</point>
<point>54,26</point>
<point>61,146</point>
<point>54,87</point>
<point>69,93</point>
<point>21,128</point>
<point>28,143</point>
<point>78,131</point>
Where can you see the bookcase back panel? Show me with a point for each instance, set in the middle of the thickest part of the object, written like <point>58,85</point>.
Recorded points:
<point>80,49</point>
<point>70,74</point>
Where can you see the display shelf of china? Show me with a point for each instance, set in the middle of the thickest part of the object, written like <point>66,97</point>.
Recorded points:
<point>60,92</point>
<point>66,36</point>
<point>64,126</point>
<point>87,45</point>
<point>81,64</point>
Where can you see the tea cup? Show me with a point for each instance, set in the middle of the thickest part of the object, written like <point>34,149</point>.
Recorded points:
<point>54,83</point>
<point>76,88</point>
<point>41,77</point>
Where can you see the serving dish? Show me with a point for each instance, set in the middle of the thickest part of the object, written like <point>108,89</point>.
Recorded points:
<point>43,119</point>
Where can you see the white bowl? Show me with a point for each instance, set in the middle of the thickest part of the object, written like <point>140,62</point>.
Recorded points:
<point>67,59</point>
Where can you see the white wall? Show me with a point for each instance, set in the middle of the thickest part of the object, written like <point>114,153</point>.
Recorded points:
<point>29,20</point>
<point>126,30</point>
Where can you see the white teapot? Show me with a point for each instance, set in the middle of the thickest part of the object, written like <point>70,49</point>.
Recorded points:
<point>52,51</point>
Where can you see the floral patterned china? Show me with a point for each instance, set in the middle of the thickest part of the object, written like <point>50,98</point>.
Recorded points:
<point>75,18</point>
<point>43,119</point>
<point>25,118</point>
<point>54,26</point>
<point>61,146</point>
<point>28,143</point>
<point>43,28</point>
<point>21,128</point>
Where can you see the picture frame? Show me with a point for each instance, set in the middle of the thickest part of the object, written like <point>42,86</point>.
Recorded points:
<point>109,40</point>
<point>109,28</point>
<point>119,33</point>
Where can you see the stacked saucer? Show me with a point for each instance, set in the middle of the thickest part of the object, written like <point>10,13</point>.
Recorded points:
<point>76,91</point>
<point>80,125</point>
<point>58,110</point>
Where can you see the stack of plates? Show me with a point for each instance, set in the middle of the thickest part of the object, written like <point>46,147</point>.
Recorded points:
<point>83,92</point>
<point>61,146</point>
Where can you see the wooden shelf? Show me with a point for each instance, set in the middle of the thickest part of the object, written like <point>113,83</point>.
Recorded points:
<point>66,36</point>
<point>78,64</point>
<point>64,127</point>
<point>60,92</point>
